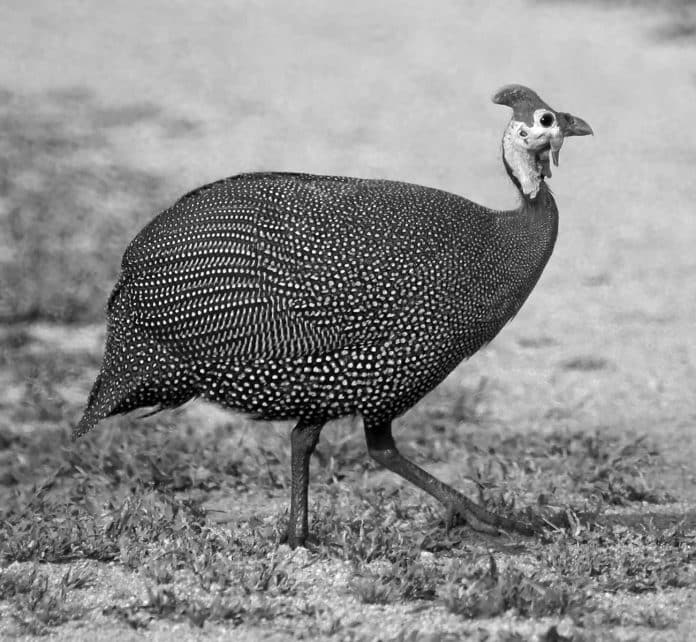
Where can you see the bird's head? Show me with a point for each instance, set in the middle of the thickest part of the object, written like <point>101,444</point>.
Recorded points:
<point>534,136</point>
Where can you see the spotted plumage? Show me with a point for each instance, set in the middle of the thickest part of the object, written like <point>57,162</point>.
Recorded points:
<point>313,297</point>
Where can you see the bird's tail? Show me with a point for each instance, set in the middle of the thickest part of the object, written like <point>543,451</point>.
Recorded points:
<point>110,390</point>
<point>118,389</point>
<point>97,408</point>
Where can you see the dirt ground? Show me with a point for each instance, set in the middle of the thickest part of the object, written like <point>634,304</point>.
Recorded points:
<point>110,111</point>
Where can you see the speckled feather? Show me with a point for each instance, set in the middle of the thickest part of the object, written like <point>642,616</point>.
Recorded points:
<point>312,297</point>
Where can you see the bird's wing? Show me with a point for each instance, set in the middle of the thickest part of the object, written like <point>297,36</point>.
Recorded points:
<point>268,269</point>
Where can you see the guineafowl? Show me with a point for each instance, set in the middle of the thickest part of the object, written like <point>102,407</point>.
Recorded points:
<point>295,296</point>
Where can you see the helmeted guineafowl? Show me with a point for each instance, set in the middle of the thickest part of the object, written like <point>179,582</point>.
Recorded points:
<point>294,296</point>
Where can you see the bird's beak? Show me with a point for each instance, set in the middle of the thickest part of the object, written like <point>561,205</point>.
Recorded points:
<point>573,126</point>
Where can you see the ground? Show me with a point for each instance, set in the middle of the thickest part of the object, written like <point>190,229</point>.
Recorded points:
<point>170,526</point>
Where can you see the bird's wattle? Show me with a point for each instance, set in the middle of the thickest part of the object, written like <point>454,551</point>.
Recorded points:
<point>543,158</point>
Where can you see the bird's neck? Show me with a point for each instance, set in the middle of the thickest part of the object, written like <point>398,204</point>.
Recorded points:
<point>539,210</point>
<point>514,250</point>
<point>529,232</point>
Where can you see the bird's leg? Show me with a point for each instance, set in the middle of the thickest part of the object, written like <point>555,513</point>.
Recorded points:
<point>381,446</point>
<point>303,441</point>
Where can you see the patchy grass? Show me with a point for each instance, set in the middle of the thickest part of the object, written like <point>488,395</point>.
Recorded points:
<point>485,591</point>
<point>39,606</point>
<point>145,497</point>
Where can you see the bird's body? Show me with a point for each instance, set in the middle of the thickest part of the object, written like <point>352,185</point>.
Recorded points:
<point>293,296</point>
<point>311,297</point>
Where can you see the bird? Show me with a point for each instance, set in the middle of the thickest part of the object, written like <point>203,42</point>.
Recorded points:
<point>292,296</point>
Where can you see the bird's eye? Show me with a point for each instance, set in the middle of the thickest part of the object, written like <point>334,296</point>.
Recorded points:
<point>546,120</point>
<point>523,133</point>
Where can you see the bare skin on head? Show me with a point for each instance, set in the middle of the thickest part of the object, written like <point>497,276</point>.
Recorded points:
<point>534,136</point>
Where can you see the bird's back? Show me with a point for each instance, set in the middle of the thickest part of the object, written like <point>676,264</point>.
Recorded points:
<point>263,265</point>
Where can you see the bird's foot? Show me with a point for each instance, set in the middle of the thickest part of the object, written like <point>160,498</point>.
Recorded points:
<point>291,538</point>
<point>297,537</point>
<point>527,522</point>
<point>462,514</point>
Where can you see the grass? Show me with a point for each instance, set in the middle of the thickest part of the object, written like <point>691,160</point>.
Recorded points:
<point>142,495</point>
<point>145,497</point>
<point>39,606</point>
